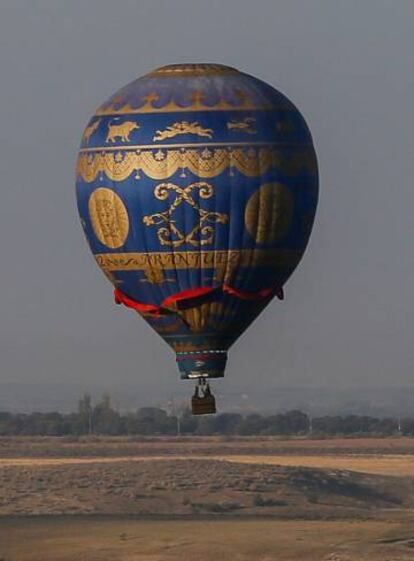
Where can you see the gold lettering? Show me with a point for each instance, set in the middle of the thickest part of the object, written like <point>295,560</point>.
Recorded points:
<point>193,259</point>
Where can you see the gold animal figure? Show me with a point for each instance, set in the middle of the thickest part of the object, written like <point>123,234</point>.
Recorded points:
<point>183,127</point>
<point>121,131</point>
<point>90,129</point>
<point>246,125</point>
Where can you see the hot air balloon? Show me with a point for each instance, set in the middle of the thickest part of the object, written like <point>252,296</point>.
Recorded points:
<point>197,187</point>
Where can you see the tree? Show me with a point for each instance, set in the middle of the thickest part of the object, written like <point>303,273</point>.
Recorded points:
<point>152,420</point>
<point>252,424</point>
<point>85,413</point>
<point>229,423</point>
<point>105,419</point>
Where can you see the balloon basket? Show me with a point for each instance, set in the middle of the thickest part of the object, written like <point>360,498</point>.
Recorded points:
<point>203,401</point>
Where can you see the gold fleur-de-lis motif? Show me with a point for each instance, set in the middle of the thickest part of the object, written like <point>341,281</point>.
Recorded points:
<point>206,154</point>
<point>168,233</point>
<point>159,156</point>
<point>154,276</point>
<point>151,97</point>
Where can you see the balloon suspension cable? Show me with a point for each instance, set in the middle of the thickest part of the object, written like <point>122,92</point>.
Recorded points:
<point>203,401</point>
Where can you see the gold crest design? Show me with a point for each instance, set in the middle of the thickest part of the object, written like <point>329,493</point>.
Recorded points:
<point>109,217</point>
<point>205,163</point>
<point>245,125</point>
<point>155,276</point>
<point>202,233</point>
<point>121,131</point>
<point>183,127</point>
<point>90,129</point>
<point>268,213</point>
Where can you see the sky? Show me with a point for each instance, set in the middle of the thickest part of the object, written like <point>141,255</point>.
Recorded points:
<point>349,309</point>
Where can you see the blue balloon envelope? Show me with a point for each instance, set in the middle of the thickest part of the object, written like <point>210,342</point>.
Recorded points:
<point>197,187</point>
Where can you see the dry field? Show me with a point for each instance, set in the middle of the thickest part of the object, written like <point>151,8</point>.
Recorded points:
<point>206,498</point>
<point>43,447</point>
<point>116,539</point>
<point>379,464</point>
<point>199,487</point>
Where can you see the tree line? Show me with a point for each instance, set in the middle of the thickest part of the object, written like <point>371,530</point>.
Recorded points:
<point>103,419</point>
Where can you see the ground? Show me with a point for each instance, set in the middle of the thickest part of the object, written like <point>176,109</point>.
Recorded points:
<point>201,499</point>
<point>116,539</point>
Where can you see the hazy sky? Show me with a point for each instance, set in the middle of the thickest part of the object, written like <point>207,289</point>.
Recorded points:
<point>349,66</point>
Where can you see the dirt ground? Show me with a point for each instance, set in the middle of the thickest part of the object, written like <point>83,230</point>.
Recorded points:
<point>205,499</point>
<point>114,539</point>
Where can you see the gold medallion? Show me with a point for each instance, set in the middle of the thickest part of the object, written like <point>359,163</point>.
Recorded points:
<point>109,217</point>
<point>268,213</point>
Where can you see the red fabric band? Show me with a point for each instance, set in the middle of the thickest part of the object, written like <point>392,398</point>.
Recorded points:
<point>260,295</point>
<point>120,298</point>
<point>187,296</point>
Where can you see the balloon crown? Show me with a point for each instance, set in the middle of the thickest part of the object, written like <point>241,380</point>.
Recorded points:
<point>193,69</point>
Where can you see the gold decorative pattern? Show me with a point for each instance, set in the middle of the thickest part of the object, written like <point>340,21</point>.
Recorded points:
<point>183,127</point>
<point>218,342</point>
<point>224,262</point>
<point>245,125</point>
<point>168,233</point>
<point>198,145</point>
<point>209,314</point>
<point>109,217</point>
<point>243,103</point>
<point>90,129</point>
<point>268,213</point>
<point>121,131</point>
<point>204,163</point>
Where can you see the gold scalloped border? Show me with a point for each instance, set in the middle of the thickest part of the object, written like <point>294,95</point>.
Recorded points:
<point>174,107</point>
<point>206,163</point>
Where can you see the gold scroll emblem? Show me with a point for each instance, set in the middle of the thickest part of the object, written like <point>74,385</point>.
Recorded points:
<point>121,131</point>
<point>183,127</point>
<point>268,213</point>
<point>168,233</point>
<point>90,130</point>
<point>109,217</point>
<point>245,125</point>
<point>204,163</point>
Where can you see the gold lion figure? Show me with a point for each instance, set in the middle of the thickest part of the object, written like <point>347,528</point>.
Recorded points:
<point>121,131</point>
<point>184,127</point>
